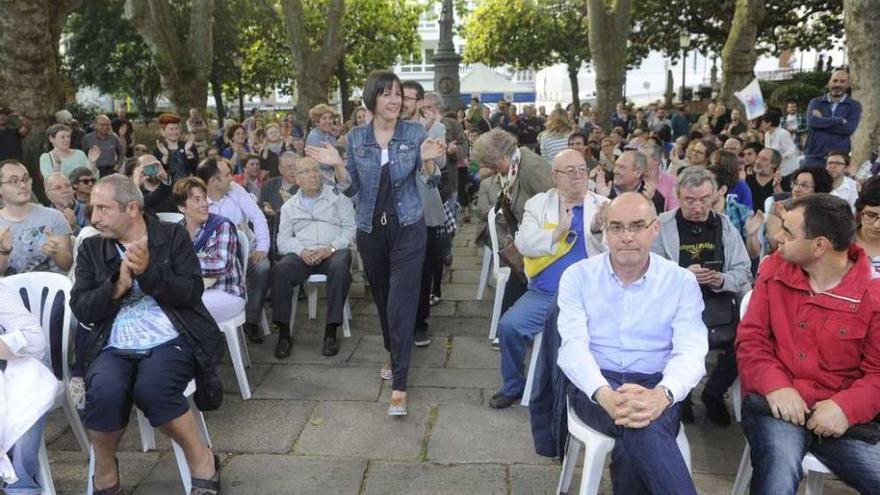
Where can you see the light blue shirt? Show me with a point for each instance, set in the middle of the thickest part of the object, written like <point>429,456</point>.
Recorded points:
<point>140,324</point>
<point>654,325</point>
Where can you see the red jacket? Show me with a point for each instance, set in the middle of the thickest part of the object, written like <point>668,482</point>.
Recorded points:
<point>824,345</point>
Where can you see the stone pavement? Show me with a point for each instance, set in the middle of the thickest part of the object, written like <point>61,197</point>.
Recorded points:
<point>318,425</point>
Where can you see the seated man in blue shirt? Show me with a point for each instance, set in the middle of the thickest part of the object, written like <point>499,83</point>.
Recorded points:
<point>633,343</point>
<point>550,238</point>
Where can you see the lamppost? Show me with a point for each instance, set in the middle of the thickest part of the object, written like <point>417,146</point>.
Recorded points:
<point>684,41</point>
<point>237,60</point>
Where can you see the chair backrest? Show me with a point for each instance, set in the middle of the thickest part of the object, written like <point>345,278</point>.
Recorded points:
<point>244,251</point>
<point>47,296</point>
<point>736,388</point>
<point>493,236</point>
<point>744,304</point>
<point>171,217</point>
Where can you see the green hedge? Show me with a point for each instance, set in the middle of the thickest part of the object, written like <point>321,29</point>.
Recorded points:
<point>797,92</point>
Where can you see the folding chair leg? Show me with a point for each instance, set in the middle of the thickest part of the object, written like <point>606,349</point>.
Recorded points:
<point>237,357</point>
<point>569,464</point>
<point>530,376</point>
<point>264,323</point>
<point>743,474</point>
<point>182,467</point>
<point>44,475</point>
<point>76,426</point>
<point>245,354</point>
<point>346,317</point>
<point>313,300</point>
<point>484,272</point>
<point>148,434</point>
<point>293,303</point>
<point>496,308</point>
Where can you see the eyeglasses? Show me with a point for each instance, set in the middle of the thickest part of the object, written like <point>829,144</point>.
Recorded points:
<point>308,171</point>
<point>802,185</point>
<point>16,181</point>
<point>869,217</point>
<point>88,180</point>
<point>634,228</point>
<point>705,200</point>
<point>573,173</point>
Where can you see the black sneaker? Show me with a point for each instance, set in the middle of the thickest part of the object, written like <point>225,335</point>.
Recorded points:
<point>282,348</point>
<point>501,401</point>
<point>687,412</point>
<point>716,410</point>
<point>422,339</point>
<point>254,333</point>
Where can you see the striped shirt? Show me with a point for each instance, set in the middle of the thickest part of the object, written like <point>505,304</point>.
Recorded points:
<point>552,144</point>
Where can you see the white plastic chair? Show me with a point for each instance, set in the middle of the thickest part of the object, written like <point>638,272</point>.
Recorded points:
<point>502,275</point>
<point>148,438</point>
<point>170,217</point>
<point>44,474</point>
<point>232,329</point>
<point>311,285</point>
<point>484,272</point>
<point>597,447</point>
<point>38,291</point>
<point>816,472</point>
<point>530,376</point>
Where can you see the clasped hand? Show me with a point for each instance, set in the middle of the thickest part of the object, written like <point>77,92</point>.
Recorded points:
<point>631,405</point>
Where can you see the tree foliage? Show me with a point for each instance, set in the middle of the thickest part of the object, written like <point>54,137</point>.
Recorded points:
<point>529,34</point>
<point>105,51</point>
<point>657,25</point>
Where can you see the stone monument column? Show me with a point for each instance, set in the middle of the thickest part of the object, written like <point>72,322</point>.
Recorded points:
<point>446,81</point>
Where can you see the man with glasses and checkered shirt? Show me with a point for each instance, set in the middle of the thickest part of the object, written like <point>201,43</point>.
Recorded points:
<point>32,237</point>
<point>560,227</point>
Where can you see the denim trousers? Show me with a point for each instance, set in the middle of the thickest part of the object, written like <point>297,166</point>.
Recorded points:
<point>26,461</point>
<point>778,448</point>
<point>516,329</point>
<point>644,460</point>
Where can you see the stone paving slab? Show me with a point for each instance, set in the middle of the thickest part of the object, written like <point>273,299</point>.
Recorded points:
<point>471,277</point>
<point>256,374</point>
<point>436,395</point>
<point>306,349</point>
<point>365,308</point>
<point>471,308</point>
<point>538,480</point>
<point>477,434</point>
<point>310,382</point>
<point>164,478</point>
<point>467,262</point>
<point>715,450</point>
<point>455,378</point>
<point>359,429</point>
<point>257,426</point>
<point>371,351</point>
<point>478,326</point>
<point>285,475</point>
<point>70,470</point>
<point>473,352</point>
<point>434,479</point>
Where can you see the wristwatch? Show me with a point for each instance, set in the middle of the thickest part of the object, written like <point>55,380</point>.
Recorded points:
<point>668,394</point>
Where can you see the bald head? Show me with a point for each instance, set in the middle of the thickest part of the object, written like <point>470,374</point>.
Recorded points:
<point>102,124</point>
<point>570,175</point>
<point>631,204</point>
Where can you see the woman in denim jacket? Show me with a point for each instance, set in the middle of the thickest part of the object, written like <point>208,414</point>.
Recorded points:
<point>383,159</point>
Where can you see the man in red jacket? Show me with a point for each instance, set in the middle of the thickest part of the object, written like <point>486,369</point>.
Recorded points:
<point>809,348</point>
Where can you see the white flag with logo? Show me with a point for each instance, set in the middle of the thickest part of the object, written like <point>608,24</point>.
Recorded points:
<point>752,99</point>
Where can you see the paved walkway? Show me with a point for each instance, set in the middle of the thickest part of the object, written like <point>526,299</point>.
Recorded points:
<point>318,425</point>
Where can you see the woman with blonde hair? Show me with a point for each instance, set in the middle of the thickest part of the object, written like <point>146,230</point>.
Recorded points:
<point>321,117</point>
<point>555,136</point>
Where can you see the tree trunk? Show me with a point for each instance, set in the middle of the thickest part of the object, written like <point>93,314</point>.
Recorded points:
<point>609,30</point>
<point>861,18</point>
<point>30,81</point>
<point>185,63</point>
<point>313,67</point>
<point>573,69</point>
<point>738,56</point>
<point>344,90</point>
<point>217,91</point>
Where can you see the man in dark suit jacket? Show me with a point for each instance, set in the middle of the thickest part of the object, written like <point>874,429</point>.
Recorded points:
<point>276,191</point>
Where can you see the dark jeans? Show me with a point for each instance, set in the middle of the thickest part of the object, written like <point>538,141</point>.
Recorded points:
<point>432,273</point>
<point>778,448</point>
<point>644,460</point>
<point>514,289</point>
<point>154,383</point>
<point>393,257</point>
<point>723,376</point>
<point>257,288</point>
<point>292,271</point>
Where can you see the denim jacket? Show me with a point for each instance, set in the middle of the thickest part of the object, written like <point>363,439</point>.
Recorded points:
<point>404,155</point>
